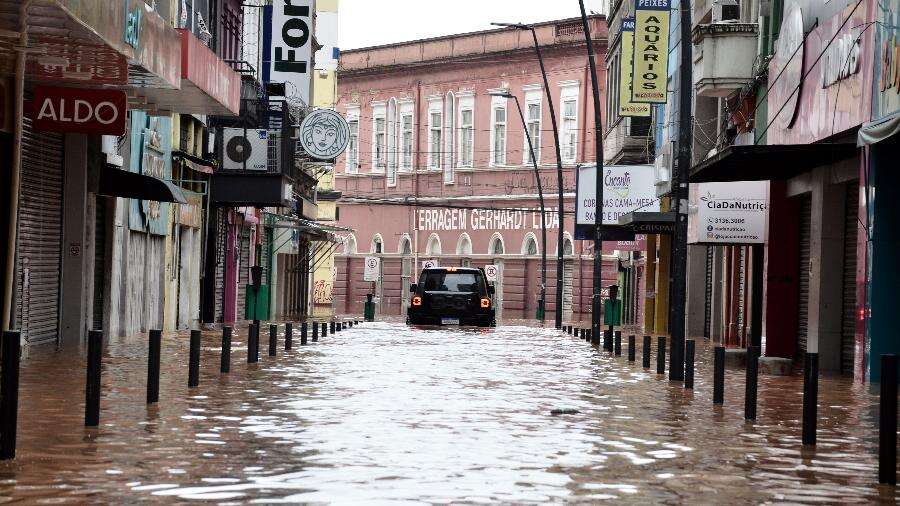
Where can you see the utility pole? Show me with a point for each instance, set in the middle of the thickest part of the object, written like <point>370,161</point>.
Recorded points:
<point>598,146</point>
<point>679,195</point>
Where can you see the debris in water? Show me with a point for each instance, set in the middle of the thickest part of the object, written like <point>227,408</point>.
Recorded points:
<point>563,411</point>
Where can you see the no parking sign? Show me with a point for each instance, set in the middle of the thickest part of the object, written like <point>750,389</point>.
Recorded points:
<point>371,270</point>
<point>492,272</point>
<point>429,264</point>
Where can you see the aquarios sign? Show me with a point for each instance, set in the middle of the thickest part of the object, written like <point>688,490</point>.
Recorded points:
<point>651,50</point>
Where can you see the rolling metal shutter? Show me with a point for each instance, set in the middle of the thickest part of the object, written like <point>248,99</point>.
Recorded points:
<point>568,273</point>
<point>708,291</point>
<point>221,245</point>
<point>40,236</point>
<point>848,323</point>
<point>803,276</point>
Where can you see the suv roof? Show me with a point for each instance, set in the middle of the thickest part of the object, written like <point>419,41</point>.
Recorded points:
<point>453,269</point>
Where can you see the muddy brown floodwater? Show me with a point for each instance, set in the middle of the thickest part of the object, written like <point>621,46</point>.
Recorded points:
<point>390,413</point>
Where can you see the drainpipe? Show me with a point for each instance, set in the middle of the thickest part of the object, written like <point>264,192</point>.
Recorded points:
<point>16,170</point>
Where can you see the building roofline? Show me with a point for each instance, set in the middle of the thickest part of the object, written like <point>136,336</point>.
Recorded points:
<point>465,34</point>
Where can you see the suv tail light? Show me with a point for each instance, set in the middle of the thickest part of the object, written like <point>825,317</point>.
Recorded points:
<point>417,301</point>
<point>485,302</point>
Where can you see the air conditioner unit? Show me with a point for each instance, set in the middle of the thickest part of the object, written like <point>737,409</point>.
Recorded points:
<point>245,149</point>
<point>726,11</point>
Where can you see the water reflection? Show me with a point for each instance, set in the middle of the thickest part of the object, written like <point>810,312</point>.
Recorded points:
<point>386,412</point>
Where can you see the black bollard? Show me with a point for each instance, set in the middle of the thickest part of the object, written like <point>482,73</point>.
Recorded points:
<point>9,394</point>
<point>810,397</point>
<point>631,348</point>
<point>618,343</point>
<point>253,343</point>
<point>273,340</point>
<point>343,325</point>
<point>331,326</point>
<point>752,383</point>
<point>719,375</point>
<point>887,421</point>
<point>576,332</point>
<point>315,331</point>
<point>288,335</point>
<point>304,330</point>
<point>194,360</point>
<point>689,352</point>
<point>225,363</point>
<point>350,324</point>
<point>324,330</point>
<point>153,359</point>
<point>661,355</point>
<point>646,353</point>
<point>607,340</point>
<point>92,388</point>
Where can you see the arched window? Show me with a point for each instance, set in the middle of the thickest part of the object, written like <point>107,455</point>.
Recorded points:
<point>350,245</point>
<point>529,245</point>
<point>433,247</point>
<point>405,245</point>
<point>377,244</point>
<point>496,245</point>
<point>568,245</point>
<point>464,245</point>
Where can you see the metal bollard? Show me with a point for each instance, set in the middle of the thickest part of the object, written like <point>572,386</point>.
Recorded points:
<point>153,359</point>
<point>273,340</point>
<point>331,326</point>
<point>194,360</point>
<point>288,335</point>
<point>661,355</point>
<point>631,348</point>
<point>92,387</point>
<point>9,393</point>
<point>752,383</point>
<point>253,344</point>
<point>343,325</point>
<point>810,397</point>
<point>304,330</point>
<point>719,375</point>
<point>689,352</point>
<point>646,353</point>
<point>324,329</point>
<point>315,331</point>
<point>887,421</point>
<point>607,340</point>
<point>618,343</point>
<point>225,363</point>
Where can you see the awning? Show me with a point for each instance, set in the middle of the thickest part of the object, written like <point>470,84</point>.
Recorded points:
<point>768,163</point>
<point>649,223</point>
<point>123,183</point>
<point>193,162</point>
<point>879,130</point>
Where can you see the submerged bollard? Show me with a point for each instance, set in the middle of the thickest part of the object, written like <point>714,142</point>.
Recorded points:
<point>661,355</point>
<point>646,352</point>
<point>324,329</point>
<point>331,326</point>
<point>689,352</point>
<point>153,359</point>
<point>719,375</point>
<point>273,340</point>
<point>304,330</point>
<point>631,348</point>
<point>752,383</point>
<point>618,343</point>
<point>887,421</point>
<point>9,393</point>
<point>194,360</point>
<point>288,335</point>
<point>253,343</point>
<point>607,340</point>
<point>810,397</point>
<point>225,363</point>
<point>315,331</point>
<point>92,387</point>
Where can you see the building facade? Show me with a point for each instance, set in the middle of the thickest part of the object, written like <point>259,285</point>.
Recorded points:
<point>438,168</point>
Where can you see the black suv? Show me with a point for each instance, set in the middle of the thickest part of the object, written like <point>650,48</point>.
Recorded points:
<point>451,296</point>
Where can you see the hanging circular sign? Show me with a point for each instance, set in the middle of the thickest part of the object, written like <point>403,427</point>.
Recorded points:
<point>324,134</point>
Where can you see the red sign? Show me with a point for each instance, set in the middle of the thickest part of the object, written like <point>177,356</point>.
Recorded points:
<point>79,110</point>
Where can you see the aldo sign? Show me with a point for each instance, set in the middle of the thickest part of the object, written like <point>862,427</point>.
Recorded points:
<point>288,46</point>
<point>79,110</point>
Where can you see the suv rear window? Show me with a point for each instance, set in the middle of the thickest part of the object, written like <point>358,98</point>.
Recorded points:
<point>443,281</point>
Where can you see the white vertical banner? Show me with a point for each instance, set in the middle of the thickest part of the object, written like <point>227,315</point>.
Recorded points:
<point>291,47</point>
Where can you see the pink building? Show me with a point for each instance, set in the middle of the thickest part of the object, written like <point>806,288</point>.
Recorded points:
<point>438,167</point>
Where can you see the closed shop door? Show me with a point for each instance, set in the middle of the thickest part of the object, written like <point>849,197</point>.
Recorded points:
<point>803,276</point>
<point>708,291</point>
<point>243,270</point>
<point>221,245</point>
<point>568,273</point>
<point>40,236</point>
<point>848,323</point>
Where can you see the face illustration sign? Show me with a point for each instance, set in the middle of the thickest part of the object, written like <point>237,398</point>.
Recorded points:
<point>324,134</point>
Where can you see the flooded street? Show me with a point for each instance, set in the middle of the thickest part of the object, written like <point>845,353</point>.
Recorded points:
<point>388,413</point>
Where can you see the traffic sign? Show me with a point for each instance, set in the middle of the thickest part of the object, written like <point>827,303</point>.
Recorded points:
<point>371,272</point>
<point>492,271</point>
<point>429,264</point>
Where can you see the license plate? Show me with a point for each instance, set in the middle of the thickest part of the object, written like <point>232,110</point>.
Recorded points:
<point>449,321</point>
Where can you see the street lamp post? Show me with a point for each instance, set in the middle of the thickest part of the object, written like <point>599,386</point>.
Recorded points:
<point>537,178</point>
<point>559,169</point>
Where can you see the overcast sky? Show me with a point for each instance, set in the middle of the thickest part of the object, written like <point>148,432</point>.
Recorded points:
<point>364,23</point>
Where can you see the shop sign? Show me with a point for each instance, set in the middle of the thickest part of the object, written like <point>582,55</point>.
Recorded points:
<point>788,63</point>
<point>626,73</point>
<point>841,59</point>
<point>79,110</point>
<point>133,25</point>
<point>728,213</point>
<point>287,46</point>
<point>651,50</point>
<point>372,271</point>
<point>191,214</point>
<point>484,219</point>
<point>626,188</point>
<point>886,99</point>
<point>151,155</point>
<point>324,134</point>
